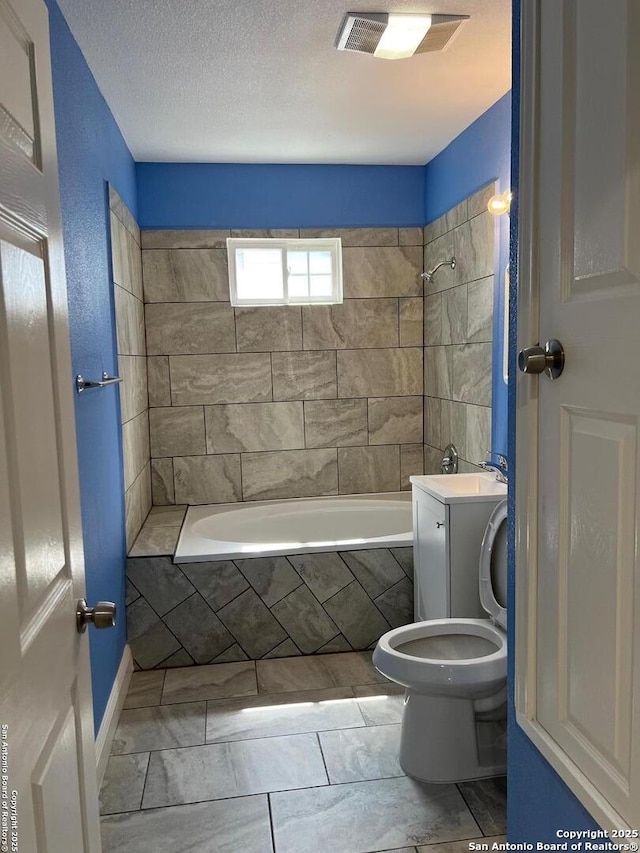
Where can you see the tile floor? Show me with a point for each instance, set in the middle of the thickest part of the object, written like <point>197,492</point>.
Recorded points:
<point>292,755</point>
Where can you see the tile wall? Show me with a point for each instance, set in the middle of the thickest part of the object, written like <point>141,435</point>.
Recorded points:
<point>132,367</point>
<point>279,402</point>
<point>458,319</point>
<point>265,607</point>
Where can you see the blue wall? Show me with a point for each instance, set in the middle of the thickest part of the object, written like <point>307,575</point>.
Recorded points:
<point>233,195</point>
<point>480,154</point>
<point>539,803</point>
<point>92,151</point>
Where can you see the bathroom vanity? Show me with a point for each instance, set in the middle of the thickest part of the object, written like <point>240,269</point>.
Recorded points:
<point>450,514</point>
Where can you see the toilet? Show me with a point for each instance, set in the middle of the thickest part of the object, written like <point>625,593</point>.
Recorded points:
<point>455,675</point>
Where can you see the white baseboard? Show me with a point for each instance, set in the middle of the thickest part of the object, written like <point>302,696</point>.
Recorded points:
<point>112,712</point>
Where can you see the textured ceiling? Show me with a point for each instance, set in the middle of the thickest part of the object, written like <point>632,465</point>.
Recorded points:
<point>259,81</point>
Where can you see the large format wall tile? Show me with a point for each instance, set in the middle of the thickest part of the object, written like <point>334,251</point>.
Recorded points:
<point>177,431</point>
<point>376,569</point>
<point>130,323</point>
<point>254,426</point>
<point>478,433</point>
<point>252,624</point>
<point>269,328</point>
<point>207,479</point>
<point>411,463</point>
<point>184,239</point>
<point>411,321</point>
<point>210,379</point>
<point>185,275</point>
<point>411,236</point>
<point>162,482</point>
<point>194,327</point>
<point>454,315</point>
<point>357,617</point>
<point>474,248</point>
<point>137,503</point>
<point>305,620</point>
<point>354,323</point>
<point>159,382</point>
<point>135,447</point>
<point>133,389</point>
<point>433,320</point>
<point>395,420</point>
<point>335,423</point>
<point>289,474</point>
<point>324,573</point>
<point>380,372</point>
<point>355,236</point>
<point>304,375</point>
<point>438,372</point>
<point>480,321</point>
<point>369,469</point>
<point>453,426</point>
<point>472,374</point>
<point>375,272</point>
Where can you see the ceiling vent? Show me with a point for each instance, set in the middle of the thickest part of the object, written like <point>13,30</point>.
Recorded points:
<point>362,32</point>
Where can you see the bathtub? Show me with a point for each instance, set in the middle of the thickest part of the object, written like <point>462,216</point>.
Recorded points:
<point>298,526</point>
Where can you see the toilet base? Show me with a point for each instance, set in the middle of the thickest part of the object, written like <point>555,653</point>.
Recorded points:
<point>439,741</point>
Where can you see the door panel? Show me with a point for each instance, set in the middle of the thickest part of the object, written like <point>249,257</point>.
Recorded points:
<point>35,481</point>
<point>45,701</point>
<point>578,466</point>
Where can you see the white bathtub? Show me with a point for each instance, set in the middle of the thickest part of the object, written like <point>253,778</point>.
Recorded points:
<point>299,526</point>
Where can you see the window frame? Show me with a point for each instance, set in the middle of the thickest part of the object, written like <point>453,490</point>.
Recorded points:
<point>308,244</point>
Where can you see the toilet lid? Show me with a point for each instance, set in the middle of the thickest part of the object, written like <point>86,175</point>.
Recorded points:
<point>493,566</point>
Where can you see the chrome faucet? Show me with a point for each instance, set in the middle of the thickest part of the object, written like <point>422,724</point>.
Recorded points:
<point>500,469</point>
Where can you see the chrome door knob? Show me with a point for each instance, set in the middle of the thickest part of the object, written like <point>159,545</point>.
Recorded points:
<point>103,615</point>
<point>549,360</point>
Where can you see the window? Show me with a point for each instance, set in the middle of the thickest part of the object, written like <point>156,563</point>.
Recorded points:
<point>285,272</point>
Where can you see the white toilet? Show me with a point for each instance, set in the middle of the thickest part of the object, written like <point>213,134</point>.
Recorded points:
<point>455,672</point>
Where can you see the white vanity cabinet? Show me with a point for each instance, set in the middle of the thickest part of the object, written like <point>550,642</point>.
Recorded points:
<point>450,515</point>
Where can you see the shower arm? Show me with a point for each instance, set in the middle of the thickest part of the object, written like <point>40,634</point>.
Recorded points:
<point>429,275</point>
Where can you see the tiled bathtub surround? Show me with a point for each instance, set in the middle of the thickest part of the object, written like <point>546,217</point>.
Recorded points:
<point>134,406</point>
<point>458,317</point>
<point>265,607</point>
<point>278,402</point>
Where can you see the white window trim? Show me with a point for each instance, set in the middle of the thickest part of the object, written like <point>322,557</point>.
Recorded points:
<point>333,244</point>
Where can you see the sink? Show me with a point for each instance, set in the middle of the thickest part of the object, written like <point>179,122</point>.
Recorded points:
<point>458,488</point>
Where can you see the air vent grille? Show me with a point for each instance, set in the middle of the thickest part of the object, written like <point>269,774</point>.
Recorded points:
<point>438,37</point>
<point>364,35</point>
<point>361,32</point>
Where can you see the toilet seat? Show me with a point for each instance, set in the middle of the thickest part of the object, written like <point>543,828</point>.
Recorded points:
<point>493,588</point>
<point>458,673</point>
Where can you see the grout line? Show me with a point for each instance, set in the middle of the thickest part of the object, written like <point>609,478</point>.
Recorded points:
<point>470,810</point>
<point>278,791</point>
<point>324,760</point>
<point>271,827</point>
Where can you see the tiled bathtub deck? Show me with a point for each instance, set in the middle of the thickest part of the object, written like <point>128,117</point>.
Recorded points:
<point>292,755</point>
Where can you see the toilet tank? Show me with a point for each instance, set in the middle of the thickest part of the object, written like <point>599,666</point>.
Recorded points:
<point>447,539</point>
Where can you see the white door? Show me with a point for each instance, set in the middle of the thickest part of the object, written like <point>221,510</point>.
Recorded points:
<point>578,477</point>
<point>48,786</point>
